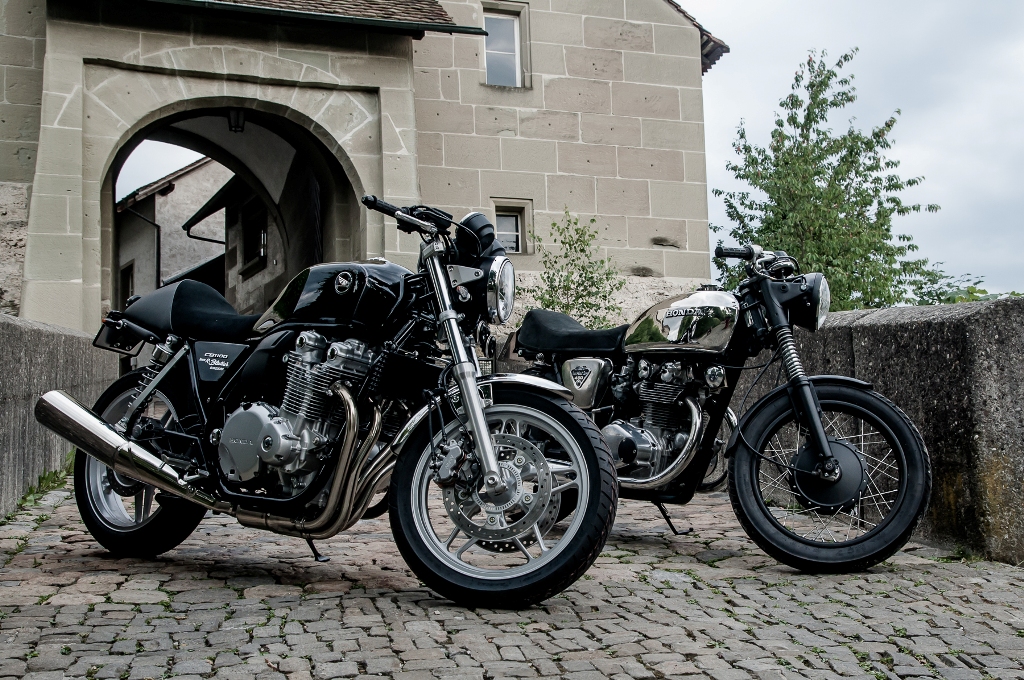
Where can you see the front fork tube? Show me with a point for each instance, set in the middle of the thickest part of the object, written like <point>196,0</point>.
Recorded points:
<point>805,397</point>
<point>465,370</point>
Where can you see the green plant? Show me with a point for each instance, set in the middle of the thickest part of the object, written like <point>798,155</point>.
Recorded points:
<point>827,199</point>
<point>47,482</point>
<point>936,287</point>
<point>575,280</point>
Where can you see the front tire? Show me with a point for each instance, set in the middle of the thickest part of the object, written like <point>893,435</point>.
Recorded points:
<point>124,515</point>
<point>767,498</point>
<point>453,538</point>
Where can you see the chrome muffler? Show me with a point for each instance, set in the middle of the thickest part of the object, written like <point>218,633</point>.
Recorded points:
<point>65,416</point>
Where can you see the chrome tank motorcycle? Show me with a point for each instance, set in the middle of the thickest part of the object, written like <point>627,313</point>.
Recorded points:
<point>824,473</point>
<point>358,392</point>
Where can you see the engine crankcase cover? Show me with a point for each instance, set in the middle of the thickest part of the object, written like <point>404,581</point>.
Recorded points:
<point>240,442</point>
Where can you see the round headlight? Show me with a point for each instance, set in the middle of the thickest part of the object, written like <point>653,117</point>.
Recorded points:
<point>501,290</point>
<point>824,301</point>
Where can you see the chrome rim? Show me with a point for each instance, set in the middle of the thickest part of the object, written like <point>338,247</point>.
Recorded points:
<point>540,461</point>
<point>120,502</point>
<point>877,504</point>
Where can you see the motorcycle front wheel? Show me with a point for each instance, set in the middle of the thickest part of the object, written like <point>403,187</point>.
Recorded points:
<point>122,514</point>
<point>515,550</point>
<point>779,504</point>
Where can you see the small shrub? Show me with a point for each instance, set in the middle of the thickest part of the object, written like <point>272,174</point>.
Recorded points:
<point>575,280</point>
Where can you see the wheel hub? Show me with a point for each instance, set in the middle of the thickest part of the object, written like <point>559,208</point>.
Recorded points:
<point>815,487</point>
<point>513,512</point>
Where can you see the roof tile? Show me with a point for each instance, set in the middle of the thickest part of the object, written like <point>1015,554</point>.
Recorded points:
<point>425,11</point>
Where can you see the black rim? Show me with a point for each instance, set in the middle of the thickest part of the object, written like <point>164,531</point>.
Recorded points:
<point>878,505</point>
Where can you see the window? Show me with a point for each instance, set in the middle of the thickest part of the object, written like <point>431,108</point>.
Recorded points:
<point>509,231</point>
<point>253,219</point>
<point>504,65</point>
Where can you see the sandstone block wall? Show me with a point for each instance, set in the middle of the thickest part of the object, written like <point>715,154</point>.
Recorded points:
<point>39,358</point>
<point>609,124</point>
<point>22,45</point>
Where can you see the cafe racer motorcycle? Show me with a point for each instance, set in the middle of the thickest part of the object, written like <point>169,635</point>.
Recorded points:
<point>825,474</point>
<point>361,377</point>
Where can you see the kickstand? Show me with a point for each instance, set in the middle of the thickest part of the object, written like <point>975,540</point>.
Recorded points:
<point>664,513</point>
<point>321,558</point>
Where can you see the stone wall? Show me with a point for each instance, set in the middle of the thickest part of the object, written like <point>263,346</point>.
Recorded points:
<point>39,358</point>
<point>22,44</point>
<point>609,123</point>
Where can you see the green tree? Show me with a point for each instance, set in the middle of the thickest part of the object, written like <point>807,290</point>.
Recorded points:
<point>936,287</point>
<point>575,280</point>
<point>828,199</point>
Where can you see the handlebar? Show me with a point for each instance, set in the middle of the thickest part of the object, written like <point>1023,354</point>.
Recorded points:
<point>374,203</point>
<point>743,253</point>
<point>406,222</point>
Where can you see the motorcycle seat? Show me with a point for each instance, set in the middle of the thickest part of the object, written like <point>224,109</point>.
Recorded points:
<point>190,309</point>
<point>550,332</point>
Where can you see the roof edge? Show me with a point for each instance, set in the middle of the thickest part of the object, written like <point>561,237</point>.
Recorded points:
<point>147,190</point>
<point>711,48</point>
<point>412,27</point>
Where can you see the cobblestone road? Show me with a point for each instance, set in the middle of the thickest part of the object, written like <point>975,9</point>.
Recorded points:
<point>237,603</point>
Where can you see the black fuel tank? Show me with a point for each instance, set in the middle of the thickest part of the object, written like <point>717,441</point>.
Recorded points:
<point>363,295</point>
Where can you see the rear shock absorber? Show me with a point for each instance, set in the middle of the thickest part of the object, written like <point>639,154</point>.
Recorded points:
<point>158,364</point>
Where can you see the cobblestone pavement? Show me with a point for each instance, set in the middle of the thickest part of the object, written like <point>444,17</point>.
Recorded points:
<point>238,603</point>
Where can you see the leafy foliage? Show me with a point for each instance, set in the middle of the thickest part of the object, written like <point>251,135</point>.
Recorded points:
<point>936,287</point>
<point>47,482</point>
<point>575,280</point>
<point>828,199</point>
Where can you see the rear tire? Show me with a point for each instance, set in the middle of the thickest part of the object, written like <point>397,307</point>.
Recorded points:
<point>161,524</point>
<point>786,525</point>
<point>560,433</point>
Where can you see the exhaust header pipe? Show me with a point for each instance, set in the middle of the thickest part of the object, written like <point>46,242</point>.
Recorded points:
<point>65,416</point>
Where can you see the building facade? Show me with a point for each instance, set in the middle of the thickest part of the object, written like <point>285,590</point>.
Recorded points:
<point>588,105</point>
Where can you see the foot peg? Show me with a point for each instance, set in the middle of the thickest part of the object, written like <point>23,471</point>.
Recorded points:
<point>321,558</point>
<point>668,520</point>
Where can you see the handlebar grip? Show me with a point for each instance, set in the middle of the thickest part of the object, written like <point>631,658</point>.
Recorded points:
<point>744,253</point>
<point>374,203</point>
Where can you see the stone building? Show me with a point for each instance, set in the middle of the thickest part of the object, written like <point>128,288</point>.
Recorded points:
<point>590,105</point>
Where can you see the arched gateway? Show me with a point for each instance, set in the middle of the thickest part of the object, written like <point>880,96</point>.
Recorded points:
<point>594,107</point>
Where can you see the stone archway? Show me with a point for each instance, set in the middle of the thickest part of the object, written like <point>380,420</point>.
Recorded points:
<point>95,107</point>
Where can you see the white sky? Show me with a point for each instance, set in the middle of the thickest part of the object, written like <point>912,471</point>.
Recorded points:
<point>955,69</point>
<point>149,162</point>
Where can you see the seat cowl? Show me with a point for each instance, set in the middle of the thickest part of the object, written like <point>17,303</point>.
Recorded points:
<point>191,309</point>
<point>547,331</point>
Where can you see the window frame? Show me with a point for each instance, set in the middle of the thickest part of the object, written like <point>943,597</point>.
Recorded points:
<point>523,209</point>
<point>521,12</point>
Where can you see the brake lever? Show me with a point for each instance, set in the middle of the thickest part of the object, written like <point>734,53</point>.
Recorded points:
<point>417,224</point>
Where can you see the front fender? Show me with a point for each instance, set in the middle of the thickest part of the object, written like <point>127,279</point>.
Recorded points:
<point>528,382</point>
<point>816,380</point>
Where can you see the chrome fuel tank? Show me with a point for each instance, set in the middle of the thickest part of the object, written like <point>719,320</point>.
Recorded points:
<point>702,321</point>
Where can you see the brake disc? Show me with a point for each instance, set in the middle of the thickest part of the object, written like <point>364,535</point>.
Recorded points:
<point>512,514</point>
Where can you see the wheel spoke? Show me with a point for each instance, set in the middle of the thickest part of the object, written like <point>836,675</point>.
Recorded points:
<point>522,549</point>
<point>465,546</point>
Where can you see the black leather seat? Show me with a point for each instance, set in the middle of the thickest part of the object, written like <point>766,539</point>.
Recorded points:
<point>547,331</point>
<point>190,309</point>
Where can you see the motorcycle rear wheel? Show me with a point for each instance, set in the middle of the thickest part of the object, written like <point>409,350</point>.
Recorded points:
<point>787,525</point>
<point>547,447</point>
<point>123,515</point>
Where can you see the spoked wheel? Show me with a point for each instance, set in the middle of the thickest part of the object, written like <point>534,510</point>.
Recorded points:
<point>853,523</point>
<point>120,512</point>
<point>512,549</point>
<point>718,468</point>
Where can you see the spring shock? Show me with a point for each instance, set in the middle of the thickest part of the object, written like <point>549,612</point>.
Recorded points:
<point>790,357</point>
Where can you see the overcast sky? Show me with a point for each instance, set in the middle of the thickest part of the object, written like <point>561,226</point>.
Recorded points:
<point>955,69</point>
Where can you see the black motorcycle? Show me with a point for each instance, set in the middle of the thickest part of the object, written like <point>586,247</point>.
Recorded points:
<point>362,378</point>
<point>825,474</point>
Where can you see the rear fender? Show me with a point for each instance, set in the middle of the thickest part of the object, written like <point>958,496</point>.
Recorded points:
<point>782,391</point>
